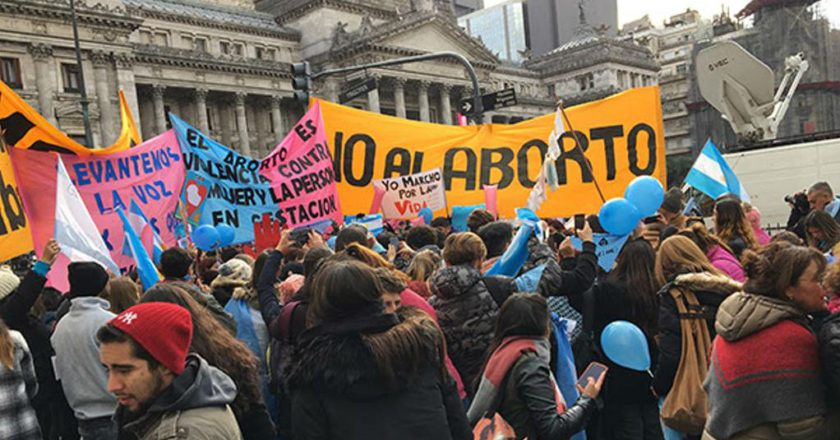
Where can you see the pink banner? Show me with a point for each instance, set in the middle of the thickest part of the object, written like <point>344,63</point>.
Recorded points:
<point>151,174</point>
<point>300,170</point>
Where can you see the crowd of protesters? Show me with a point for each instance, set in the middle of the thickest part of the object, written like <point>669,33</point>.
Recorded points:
<point>405,335</point>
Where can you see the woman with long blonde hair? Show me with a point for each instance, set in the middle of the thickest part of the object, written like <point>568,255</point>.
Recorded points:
<point>731,226</point>
<point>420,270</point>
<point>18,385</point>
<point>684,273</point>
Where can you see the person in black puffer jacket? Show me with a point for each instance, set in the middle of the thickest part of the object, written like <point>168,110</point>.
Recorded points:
<point>360,373</point>
<point>465,307</point>
<point>680,264</point>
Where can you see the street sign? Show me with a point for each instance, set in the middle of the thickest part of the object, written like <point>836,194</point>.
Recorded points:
<point>489,101</point>
<point>358,89</point>
<point>502,98</point>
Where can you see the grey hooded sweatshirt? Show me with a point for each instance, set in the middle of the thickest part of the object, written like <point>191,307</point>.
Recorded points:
<point>194,406</point>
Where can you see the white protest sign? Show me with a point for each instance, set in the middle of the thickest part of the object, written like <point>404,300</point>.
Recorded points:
<point>405,196</point>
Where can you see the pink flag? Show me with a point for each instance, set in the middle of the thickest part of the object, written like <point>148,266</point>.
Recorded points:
<point>300,170</point>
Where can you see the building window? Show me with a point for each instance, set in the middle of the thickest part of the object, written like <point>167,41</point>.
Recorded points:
<point>271,122</point>
<point>224,47</point>
<point>162,39</point>
<point>269,54</point>
<point>71,78</point>
<point>146,37</point>
<point>236,49</point>
<point>10,73</point>
<point>187,42</point>
<point>259,52</point>
<point>586,82</point>
<point>201,44</point>
<point>209,118</point>
<point>681,69</point>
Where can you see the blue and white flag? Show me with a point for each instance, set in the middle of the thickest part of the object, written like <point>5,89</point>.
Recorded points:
<point>373,222</point>
<point>146,269</point>
<point>712,176</point>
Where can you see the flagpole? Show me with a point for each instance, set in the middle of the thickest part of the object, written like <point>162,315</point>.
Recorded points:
<point>580,149</point>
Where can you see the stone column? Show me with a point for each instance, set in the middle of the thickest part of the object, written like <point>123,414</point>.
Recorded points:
<point>373,99</point>
<point>242,123</point>
<point>399,97</point>
<point>201,110</point>
<point>277,118</point>
<point>423,98</point>
<point>125,82</point>
<point>42,54</point>
<point>107,115</point>
<point>160,112</point>
<point>445,104</point>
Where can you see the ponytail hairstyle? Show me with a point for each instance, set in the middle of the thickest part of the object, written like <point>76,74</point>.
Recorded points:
<point>778,266</point>
<point>704,239</point>
<point>7,347</point>
<point>730,221</point>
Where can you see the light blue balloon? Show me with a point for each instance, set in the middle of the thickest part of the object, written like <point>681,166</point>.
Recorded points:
<point>646,194</point>
<point>618,216</point>
<point>625,344</point>
<point>206,237</point>
<point>226,234</point>
<point>427,215</point>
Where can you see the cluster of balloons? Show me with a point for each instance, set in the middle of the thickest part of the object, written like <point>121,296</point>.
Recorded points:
<point>643,197</point>
<point>208,237</point>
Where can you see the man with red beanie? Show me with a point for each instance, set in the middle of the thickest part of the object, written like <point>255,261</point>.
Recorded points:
<point>163,391</point>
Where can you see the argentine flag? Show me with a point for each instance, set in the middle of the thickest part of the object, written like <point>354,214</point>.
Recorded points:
<point>146,269</point>
<point>712,176</point>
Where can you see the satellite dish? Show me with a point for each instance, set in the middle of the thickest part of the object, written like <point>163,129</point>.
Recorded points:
<point>742,89</point>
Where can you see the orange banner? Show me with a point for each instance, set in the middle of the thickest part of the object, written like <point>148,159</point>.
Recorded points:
<point>622,136</point>
<point>23,127</point>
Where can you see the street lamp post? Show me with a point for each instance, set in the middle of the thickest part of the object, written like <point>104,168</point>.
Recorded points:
<point>84,100</point>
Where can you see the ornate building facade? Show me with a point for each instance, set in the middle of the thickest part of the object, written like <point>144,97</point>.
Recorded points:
<point>223,66</point>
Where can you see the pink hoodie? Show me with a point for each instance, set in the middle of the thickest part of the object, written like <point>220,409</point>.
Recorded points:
<point>409,298</point>
<point>726,262</point>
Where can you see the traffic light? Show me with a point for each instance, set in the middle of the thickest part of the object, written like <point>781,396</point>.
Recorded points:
<point>302,81</point>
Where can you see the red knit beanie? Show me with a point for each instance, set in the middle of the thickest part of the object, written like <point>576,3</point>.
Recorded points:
<point>163,329</point>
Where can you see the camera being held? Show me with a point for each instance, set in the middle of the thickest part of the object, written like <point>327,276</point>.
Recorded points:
<point>798,201</point>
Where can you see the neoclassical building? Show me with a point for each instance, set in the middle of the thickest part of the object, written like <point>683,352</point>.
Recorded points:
<point>224,65</point>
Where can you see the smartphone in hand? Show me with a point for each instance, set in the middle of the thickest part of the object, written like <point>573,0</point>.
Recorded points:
<point>594,370</point>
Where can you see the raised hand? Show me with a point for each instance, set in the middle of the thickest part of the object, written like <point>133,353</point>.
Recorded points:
<point>51,251</point>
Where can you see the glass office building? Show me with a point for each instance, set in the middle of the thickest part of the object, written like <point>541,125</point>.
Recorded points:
<point>502,28</point>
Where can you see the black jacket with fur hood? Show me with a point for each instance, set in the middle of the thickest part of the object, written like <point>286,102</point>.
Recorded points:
<point>338,391</point>
<point>710,290</point>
